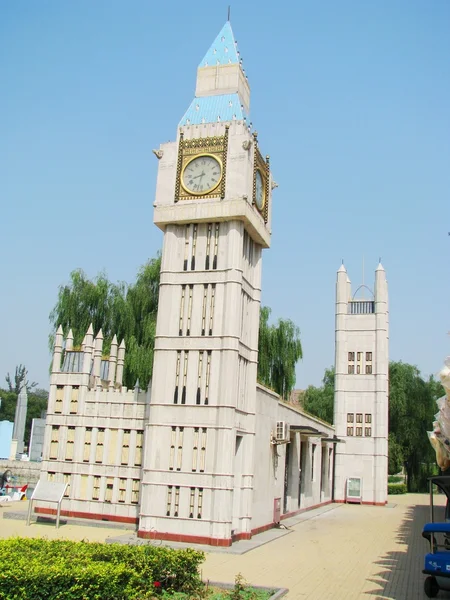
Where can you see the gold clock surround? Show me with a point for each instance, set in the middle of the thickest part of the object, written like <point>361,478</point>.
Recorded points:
<point>211,189</point>
<point>263,167</point>
<point>188,150</point>
<point>263,181</point>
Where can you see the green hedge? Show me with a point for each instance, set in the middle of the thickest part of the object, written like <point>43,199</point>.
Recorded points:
<point>36,569</point>
<point>395,479</point>
<point>397,488</point>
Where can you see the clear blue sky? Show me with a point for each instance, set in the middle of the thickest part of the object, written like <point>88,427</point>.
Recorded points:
<point>351,99</point>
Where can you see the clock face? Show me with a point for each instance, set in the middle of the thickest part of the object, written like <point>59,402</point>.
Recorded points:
<point>259,189</point>
<point>201,175</point>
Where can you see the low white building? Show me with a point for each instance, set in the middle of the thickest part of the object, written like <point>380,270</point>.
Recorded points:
<point>95,441</point>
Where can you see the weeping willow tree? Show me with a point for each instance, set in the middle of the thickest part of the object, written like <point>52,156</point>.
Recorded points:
<point>129,311</point>
<point>280,349</point>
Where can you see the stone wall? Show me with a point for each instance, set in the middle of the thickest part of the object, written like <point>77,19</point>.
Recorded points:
<point>24,471</point>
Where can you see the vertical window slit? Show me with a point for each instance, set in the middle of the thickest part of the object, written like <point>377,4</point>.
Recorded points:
<point>183,395</point>
<point>122,490</point>
<point>191,503</point>
<point>177,378</point>
<point>199,377</point>
<point>139,445</point>
<point>100,445</point>
<point>180,448</point>
<point>208,245</point>
<point>70,443</point>
<point>169,500</point>
<point>183,293</point>
<point>87,444</point>
<point>208,370</point>
<point>96,488</point>
<point>59,399</point>
<point>205,302</point>
<point>54,442</point>
<point>216,245</point>
<point>191,291</point>
<point>135,491</point>
<point>74,400</point>
<point>200,503</point>
<point>186,246</point>
<point>172,448</point>
<point>126,447</point>
<point>211,310</point>
<point>203,451</point>
<point>195,449</point>
<point>109,489</point>
<point>177,500</point>
<point>194,247</point>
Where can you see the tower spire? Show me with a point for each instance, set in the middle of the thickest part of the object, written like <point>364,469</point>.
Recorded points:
<point>229,11</point>
<point>222,92</point>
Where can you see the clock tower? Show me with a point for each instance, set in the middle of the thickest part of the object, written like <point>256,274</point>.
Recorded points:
<point>213,204</point>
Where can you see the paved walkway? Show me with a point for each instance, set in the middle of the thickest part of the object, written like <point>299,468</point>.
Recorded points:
<point>345,553</point>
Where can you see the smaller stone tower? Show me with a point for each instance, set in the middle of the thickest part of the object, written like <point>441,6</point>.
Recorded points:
<point>94,432</point>
<point>361,387</point>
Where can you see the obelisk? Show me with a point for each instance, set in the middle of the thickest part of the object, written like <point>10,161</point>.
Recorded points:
<point>19,420</point>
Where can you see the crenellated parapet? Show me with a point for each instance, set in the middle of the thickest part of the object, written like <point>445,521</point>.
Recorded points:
<point>88,364</point>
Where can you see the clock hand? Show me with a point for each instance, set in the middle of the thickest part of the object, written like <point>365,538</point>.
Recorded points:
<point>197,176</point>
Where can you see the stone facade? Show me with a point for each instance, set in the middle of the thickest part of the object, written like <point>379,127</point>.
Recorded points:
<point>361,387</point>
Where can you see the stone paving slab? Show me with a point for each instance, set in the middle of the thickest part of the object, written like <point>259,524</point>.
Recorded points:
<point>241,547</point>
<point>350,553</point>
<point>21,515</point>
<point>346,552</point>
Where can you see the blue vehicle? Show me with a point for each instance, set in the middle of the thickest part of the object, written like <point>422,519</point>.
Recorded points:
<point>437,561</point>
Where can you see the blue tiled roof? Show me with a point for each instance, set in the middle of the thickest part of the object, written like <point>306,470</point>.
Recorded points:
<point>223,50</point>
<point>214,109</point>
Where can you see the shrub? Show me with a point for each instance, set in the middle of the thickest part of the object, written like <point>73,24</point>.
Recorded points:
<point>36,569</point>
<point>396,488</point>
<point>395,479</point>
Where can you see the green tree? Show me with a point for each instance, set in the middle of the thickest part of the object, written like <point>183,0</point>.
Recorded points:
<point>396,458</point>
<point>128,311</point>
<point>412,405</point>
<point>279,349</point>
<point>8,405</point>
<point>319,401</point>
<point>16,383</point>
